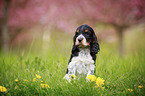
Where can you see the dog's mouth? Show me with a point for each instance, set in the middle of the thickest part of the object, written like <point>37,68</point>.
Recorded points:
<point>80,45</point>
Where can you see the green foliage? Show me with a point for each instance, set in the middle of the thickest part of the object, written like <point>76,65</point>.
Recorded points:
<point>119,73</point>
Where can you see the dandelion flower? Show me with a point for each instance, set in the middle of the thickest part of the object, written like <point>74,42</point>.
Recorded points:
<point>34,79</point>
<point>16,80</point>
<point>73,76</point>
<point>45,86</point>
<point>140,86</point>
<point>91,78</point>
<point>37,76</point>
<point>99,81</point>
<point>2,89</point>
<point>41,81</point>
<point>42,85</point>
<point>130,90</point>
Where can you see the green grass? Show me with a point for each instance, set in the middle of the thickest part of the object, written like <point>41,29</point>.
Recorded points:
<point>119,73</point>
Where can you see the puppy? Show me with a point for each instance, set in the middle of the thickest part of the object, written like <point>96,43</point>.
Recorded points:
<point>83,55</point>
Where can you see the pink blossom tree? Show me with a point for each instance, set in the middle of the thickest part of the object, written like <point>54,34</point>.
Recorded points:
<point>66,14</point>
<point>20,14</point>
<point>24,14</point>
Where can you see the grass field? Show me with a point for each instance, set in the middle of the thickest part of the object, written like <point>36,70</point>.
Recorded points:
<point>122,75</point>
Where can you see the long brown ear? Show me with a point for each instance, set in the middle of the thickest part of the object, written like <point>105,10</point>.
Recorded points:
<point>94,45</point>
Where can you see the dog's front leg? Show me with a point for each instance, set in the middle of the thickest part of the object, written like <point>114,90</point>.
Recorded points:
<point>70,73</point>
<point>91,71</point>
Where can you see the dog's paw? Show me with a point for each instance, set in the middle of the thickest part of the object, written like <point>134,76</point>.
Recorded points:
<point>67,77</point>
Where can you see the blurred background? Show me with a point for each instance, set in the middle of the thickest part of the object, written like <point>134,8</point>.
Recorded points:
<point>42,25</point>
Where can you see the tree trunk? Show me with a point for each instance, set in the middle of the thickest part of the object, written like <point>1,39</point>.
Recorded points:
<point>120,35</point>
<point>5,35</point>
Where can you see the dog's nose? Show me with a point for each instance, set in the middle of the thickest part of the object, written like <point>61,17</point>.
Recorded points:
<point>80,39</point>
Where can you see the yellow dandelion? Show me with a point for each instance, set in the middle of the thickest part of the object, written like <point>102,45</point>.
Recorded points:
<point>130,90</point>
<point>73,76</point>
<point>16,80</point>
<point>2,89</point>
<point>34,79</point>
<point>37,76</point>
<point>99,81</point>
<point>42,85</point>
<point>41,81</point>
<point>140,86</point>
<point>45,86</point>
<point>91,78</point>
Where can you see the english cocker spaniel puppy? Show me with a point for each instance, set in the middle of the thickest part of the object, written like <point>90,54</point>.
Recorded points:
<point>83,55</point>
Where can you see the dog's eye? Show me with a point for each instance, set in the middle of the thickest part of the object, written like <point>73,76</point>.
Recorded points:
<point>77,31</point>
<point>86,30</point>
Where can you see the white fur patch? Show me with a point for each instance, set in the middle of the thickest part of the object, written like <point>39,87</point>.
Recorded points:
<point>67,77</point>
<point>83,64</point>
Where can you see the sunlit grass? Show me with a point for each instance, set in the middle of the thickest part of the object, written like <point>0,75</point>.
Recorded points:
<point>20,74</point>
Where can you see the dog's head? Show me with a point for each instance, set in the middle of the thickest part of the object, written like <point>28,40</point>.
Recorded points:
<point>85,37</point>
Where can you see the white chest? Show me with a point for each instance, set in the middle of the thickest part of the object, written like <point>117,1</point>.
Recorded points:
<point>82,64</point>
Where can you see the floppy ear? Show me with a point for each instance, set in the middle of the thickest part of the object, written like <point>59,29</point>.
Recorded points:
<point>75,50</point>
<point>94,45</point>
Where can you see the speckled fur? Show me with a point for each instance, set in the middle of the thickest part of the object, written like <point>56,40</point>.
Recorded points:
<point>83,64</point>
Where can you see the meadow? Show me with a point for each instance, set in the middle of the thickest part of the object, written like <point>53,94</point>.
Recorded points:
<point>29,74</point>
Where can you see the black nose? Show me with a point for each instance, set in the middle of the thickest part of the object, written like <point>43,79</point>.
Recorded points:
<point>80,39</point>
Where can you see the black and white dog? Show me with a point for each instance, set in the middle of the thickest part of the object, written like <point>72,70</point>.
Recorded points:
<point>83,56</point>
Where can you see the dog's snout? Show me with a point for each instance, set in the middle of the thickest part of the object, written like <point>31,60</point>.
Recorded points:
<point>80,39</point>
